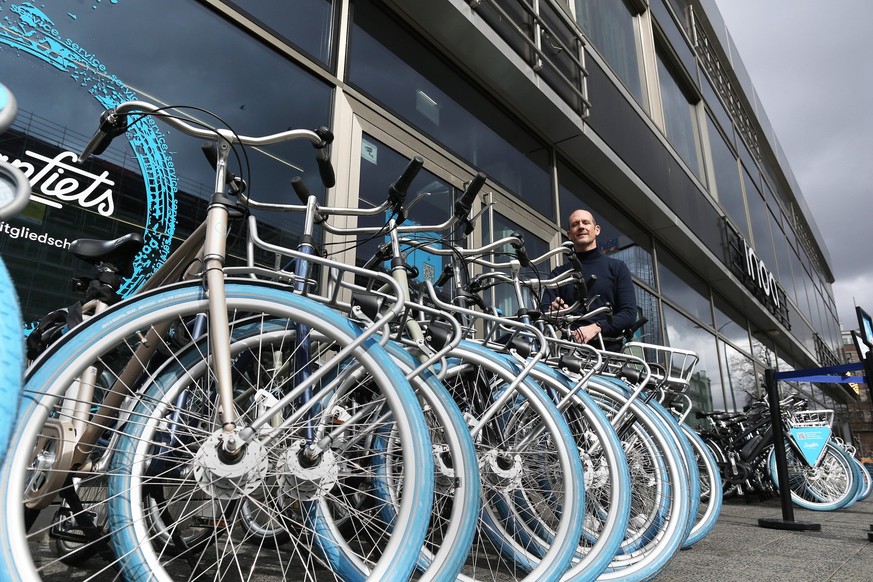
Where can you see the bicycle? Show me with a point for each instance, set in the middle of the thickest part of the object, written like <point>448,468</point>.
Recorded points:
<point>145,532</point>
<point>491,392</point>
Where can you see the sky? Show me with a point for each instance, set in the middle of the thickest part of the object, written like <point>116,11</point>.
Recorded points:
<point>810,64</point>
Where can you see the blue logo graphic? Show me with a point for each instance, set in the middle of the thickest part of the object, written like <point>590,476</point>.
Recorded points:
<point>32,32</point>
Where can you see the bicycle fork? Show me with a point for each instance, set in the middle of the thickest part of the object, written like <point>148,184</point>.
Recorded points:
<point>215,248</point>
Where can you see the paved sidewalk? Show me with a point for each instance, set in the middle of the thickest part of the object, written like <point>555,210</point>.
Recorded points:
<point>738,549</point>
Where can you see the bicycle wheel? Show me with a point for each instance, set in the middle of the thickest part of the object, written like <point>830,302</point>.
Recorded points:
<point>457,486</point>
<point>164,440</point>
<point>456,491</point>
<point>710,504</point>
<point>828,485</point>
<point>659,492</point>
<point>532,479</point>
<point>866,488</point>
<point>11,356</point>
<point>607,478</point>
<point>679,438</point>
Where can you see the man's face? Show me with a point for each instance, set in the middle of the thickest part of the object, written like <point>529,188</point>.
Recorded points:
<point>582,230</point>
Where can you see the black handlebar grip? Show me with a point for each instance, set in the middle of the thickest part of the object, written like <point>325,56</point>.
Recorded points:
<point>325,170</point>
<point>300,189</point>
<point>444,277</point>
<point>397,190</point>
<point>575,262</point>
<point>465,202</point>
<point>637,325</point>
<point>520,251</point>
<point>326,136</point>
<point>111,126</point>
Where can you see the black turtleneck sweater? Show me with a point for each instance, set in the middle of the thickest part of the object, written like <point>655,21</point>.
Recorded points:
<point>613,285</point>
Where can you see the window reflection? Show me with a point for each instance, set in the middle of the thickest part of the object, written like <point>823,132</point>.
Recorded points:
<point>680,118</point>
<point>304,23</point>
<point>391,65</point>
<point>727,179</point>
<point>380,167</point>
<point>619,237</point>
<point>762,348</point>
<point>682,333</point>
<point>504,297</point>
<point>684,288</point>
<point>731,324</point>
<point>60,109</point>
<point>647,306</point>
<point>610,26</point>
<point>783,256</point>
<point>759,216</point>
<point>740,378</point>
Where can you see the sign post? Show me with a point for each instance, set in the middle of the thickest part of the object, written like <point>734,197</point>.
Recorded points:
<point>787,522</point>
<point>771,377</point>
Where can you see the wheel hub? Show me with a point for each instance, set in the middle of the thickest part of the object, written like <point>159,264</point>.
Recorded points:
<point>223,478</point>
<point>501,469</point>
<point>444,473</point>
<point>307,480</point>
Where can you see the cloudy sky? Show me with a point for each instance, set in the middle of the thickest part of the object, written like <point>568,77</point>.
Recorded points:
<point>810,63</point>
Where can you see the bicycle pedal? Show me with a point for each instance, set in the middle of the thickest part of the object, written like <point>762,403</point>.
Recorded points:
<point>58,534</point>
<point>64,527</point>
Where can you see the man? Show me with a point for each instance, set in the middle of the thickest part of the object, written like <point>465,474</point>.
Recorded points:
<point>613,285</point>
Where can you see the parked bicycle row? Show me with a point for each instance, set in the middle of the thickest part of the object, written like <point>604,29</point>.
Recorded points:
<point>313,419</point>
<point>824,473</point>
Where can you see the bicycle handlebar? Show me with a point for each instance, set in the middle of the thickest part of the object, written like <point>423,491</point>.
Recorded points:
<point>398,190</point>
<point>113,122</point>
<point>465,203</point>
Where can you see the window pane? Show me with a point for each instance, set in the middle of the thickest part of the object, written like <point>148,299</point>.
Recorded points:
<point>380,167</point>
<point>305,23</point>
<point>783,257</point>
<point>619,237</point>
<point>731,324</point>
<point>610,27</point>
<point>727,179</point>
<point>647,306</point>
<point>161,181</point>
<point>397,70</point>
<point>684,334</point>
<point>683,287</point>
<point>504,295</point>
<point>680,117</point>
<point>759,216</point>
<point>740,378</point>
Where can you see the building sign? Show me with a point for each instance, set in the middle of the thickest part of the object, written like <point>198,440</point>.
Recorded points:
<point>756,275</point>
<point>761,277</point>
<point>53,180</point>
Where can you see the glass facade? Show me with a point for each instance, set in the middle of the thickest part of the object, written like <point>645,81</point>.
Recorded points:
<point>397,70</point>
<point>66,66</point>
<point>288,64</point>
